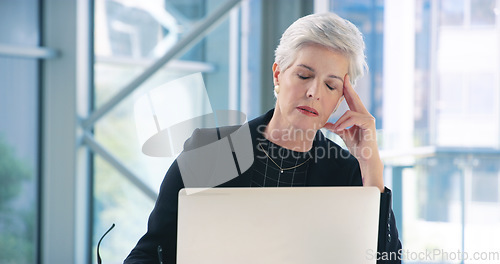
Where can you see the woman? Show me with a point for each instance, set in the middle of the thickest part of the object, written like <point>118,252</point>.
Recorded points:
<point>318,60</point>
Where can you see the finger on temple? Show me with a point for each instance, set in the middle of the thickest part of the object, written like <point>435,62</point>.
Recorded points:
<point>352,98</point>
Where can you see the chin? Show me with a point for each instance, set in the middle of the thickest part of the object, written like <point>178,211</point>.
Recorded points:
<point>307,126</point>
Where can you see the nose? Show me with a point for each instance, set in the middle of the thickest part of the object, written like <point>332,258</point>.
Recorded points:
<point>313,91</point>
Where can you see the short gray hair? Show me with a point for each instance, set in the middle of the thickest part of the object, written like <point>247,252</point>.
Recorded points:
<point>326,29</point>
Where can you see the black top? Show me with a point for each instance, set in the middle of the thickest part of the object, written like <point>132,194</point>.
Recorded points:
<point>330,166</point>
<point>275,166</point>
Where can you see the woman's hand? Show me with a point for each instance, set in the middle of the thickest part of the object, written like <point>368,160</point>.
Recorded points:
<point>357,128</point>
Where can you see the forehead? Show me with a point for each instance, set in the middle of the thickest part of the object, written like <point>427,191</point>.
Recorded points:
<point>321,59</point>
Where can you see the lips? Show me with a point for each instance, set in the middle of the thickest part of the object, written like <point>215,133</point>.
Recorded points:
<point>309,111</point>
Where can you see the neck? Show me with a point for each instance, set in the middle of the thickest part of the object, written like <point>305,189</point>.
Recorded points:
<point>288,136</point>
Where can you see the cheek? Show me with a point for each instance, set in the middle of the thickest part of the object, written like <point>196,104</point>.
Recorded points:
<point>292,92</point>
<point>332,104</point>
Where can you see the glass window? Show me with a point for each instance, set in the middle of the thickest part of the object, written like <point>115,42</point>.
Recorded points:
<point>482,99</point>
<point>368,16</point>
<point>482,216</point>
<point>431,207</point>
<point>485,185</point>
<point>19,133</point>
<point>129,37</point>
<point>450,195</point>
<point>452,12</point>
<point>451,93</point>
<point>18,161</point>
<point>482,12</point>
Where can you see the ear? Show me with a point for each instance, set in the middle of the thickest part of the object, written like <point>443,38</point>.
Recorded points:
<point>276,73</point>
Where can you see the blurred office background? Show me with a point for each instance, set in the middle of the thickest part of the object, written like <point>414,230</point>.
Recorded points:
<point>71,72</point>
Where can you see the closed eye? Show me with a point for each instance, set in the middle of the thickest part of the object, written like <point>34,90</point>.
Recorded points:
<point>303,77</point>
<point>330,87</point>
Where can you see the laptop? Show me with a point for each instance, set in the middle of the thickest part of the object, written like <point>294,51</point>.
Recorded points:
<point>278,225</point>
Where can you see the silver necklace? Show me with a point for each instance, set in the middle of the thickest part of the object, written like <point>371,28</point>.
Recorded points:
<point>283,169</point>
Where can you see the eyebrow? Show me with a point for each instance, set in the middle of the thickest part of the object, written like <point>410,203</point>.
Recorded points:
<point>331,76</point>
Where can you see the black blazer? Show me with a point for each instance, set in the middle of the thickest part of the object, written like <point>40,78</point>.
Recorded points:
<point>336,167</point>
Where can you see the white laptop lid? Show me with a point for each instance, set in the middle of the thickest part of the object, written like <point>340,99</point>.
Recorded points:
<point>278,225</point>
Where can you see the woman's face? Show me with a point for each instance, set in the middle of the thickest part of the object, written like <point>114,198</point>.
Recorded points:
<point>311,88</point>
